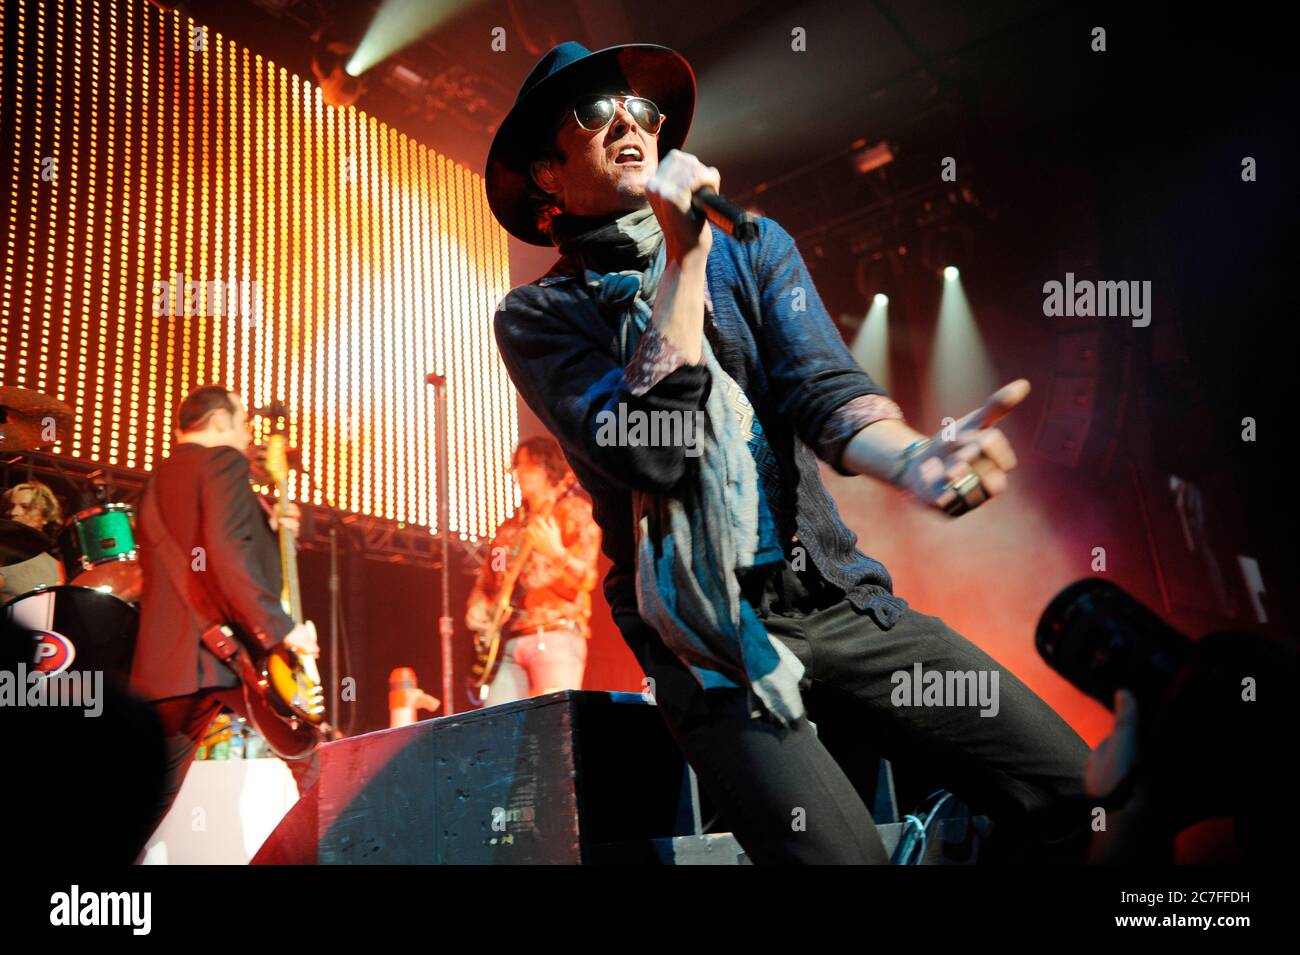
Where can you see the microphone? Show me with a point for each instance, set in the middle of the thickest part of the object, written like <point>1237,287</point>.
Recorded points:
<point>725,214</point>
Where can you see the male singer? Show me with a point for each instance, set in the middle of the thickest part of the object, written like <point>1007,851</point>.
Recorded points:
<point>734,580</point>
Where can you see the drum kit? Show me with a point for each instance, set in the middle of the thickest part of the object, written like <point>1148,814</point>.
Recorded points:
<point>89,622</point>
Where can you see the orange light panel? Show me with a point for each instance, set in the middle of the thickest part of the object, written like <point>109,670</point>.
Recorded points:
<point>182,211</point>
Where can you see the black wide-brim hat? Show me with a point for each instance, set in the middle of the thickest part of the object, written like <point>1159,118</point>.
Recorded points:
<point>566,72</point>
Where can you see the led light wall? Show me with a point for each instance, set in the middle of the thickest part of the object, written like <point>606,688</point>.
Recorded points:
<point>180,211</point>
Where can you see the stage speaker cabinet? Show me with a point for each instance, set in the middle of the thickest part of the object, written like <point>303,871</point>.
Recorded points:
<point>1071,402</point>
<point>571,777</point>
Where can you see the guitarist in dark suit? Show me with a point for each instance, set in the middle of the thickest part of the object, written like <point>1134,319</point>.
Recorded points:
<point>211,513</point>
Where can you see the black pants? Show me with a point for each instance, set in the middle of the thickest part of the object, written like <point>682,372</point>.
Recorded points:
<point>184,719</point>
<point>786,798</point>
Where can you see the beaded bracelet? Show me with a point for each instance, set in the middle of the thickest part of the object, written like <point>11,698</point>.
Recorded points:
<point>913,450</point>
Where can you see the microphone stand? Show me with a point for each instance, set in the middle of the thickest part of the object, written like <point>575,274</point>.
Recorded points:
<point>336,612</point>
<point>445,627</point>
<point>334,617</point>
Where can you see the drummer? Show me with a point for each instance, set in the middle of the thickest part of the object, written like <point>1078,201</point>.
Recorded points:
<point>32,505</point>
<point>35,505</point>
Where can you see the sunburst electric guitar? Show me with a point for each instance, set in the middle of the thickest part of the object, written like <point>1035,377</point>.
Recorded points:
<point>291,683</point>
<point>488,643</point>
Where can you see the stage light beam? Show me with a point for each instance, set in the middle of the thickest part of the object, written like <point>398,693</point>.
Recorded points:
<point>871,345</point>
<point>399,23</point>
<point>961,372</point>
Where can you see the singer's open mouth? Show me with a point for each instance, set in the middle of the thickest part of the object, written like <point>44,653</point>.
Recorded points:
<point>629,155</point>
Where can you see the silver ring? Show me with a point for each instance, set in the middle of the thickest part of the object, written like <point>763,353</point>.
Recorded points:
<point>960,503</point>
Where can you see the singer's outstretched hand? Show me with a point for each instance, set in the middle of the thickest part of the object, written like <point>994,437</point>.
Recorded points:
<point>669,191</point>
<point>976,449</point>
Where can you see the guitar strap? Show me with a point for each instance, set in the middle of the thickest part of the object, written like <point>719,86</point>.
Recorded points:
<point>483,671</point>
<point>216,636</point>
<point>524,549</point>
<point>219,638</point>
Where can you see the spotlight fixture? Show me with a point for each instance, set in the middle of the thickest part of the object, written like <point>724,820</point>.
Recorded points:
<point>873,157</point>
<point>951,273</point>
<point>945,244</point>
<point>408,83</point>
<point>877,275</point>
<point>328,64</point>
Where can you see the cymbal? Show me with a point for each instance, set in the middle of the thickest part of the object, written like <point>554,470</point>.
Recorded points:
<point>33,402</point>
<point>24,424</point>
<point>18,542</point>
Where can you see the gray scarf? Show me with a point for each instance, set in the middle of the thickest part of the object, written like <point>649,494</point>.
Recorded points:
<point>692,546</point>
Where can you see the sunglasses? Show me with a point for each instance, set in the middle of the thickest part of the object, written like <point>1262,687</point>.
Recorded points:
<point>594,113</point>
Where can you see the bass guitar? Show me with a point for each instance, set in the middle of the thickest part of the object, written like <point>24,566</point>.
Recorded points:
<point>282,691</point>
<point>290,682</point>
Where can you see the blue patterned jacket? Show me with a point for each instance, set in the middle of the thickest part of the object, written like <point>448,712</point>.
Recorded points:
<point>770,332</point>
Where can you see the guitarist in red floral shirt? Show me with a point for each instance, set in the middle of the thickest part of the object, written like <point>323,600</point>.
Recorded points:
<point>553,533</point>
